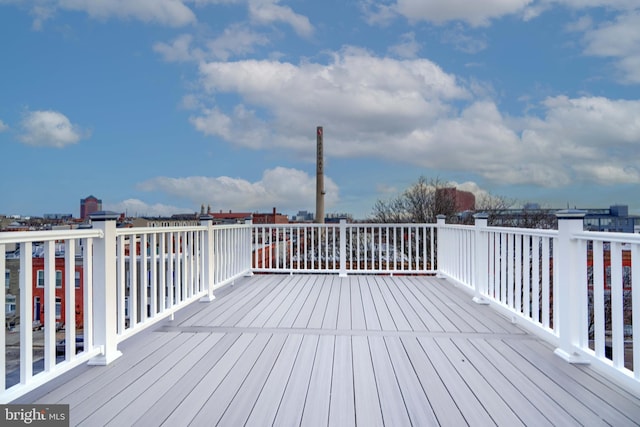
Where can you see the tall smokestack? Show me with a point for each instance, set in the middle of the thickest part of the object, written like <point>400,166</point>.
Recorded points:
<point>319,178</point>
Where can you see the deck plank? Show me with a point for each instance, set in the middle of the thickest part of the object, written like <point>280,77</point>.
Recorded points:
<point>320,308</point>
<point>255,317</point>
<point>166,381</point>
<point>399,319</point>
<point>213,377</point>
<point>358,321</point>
<point>166,403</point>
<point>294,397</point>
<point>344,304</point>
<point>220,400</point>
<point>330,320</point>
<point>394,411</point>
<point>417,405</point>
<point>289,315</point>
<point>342,409</point>
<point>266,405</point>
<point>274,315</point>
<point>382,309</point>
<point>368,306</point>
<point>316,407</point>
<point>589,391</point>
<point>367,402</point>
<point>327,350</point>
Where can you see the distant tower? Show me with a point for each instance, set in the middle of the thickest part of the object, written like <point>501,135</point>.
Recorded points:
<point>89,205</point>
<point>319,178</point>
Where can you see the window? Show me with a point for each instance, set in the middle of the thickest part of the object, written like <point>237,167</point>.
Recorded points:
<point>58,308</point>
<point>7,278</point>
<point>40,282</point>
<point>10,303</point>
<point>77,280</point>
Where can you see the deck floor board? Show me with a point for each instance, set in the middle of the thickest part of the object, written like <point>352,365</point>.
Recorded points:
<point>326,350</point>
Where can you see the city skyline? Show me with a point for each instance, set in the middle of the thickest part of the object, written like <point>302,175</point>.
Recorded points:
<point>160,106</point>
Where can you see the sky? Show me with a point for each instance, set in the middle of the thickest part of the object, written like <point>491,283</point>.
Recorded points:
<point>160,106</point>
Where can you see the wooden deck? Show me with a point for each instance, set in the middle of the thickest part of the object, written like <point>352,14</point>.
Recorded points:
<point>323,350</point>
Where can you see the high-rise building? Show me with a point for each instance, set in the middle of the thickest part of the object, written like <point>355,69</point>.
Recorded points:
<point>89,205</point>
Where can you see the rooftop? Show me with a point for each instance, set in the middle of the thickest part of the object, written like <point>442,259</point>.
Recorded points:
<point>274,349</point>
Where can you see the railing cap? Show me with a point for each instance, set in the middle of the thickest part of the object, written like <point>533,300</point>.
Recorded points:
<point>441,216</point>
<point>571,214</point>
<point>205,217</point>
<point>104,216</point>
<point>481,215</point>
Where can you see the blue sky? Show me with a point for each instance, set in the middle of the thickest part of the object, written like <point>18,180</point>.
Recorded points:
<point>159,106</point>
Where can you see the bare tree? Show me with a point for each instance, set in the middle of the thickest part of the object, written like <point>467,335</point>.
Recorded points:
<point>420,203</point>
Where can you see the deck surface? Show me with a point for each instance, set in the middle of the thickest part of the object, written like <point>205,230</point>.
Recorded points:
<point>323,350</point>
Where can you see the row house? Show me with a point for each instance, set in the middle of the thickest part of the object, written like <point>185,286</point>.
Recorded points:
<point>12,292</point>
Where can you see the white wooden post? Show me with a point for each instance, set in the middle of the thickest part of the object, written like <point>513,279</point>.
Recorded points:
<point>440,245</point>
<point>343,248</point>
<point>207,252</point>
<point>569,294</point>
<point>247,262</point>
<point>481,256</point>
<point>104,289</point>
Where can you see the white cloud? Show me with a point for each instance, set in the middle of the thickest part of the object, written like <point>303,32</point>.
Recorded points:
<point>476,13</point>
<point>137,208</point>
<point>173,13</point>
<point>179,50</point>
<point>3,126</point>
<point>48,129</point>
<point>281,187</point>
<point>408,46</point>
<point>457,37</point>
<point>618,39</point>
<point>236,40</point>
<point>356,93</point>
<point>268,11</point>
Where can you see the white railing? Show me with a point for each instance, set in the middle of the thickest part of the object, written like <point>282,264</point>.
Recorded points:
<point>344,248</point>
<point>132,279</point>
<point>41,356</point>
<point>572,288</point>
<point>612,308</point>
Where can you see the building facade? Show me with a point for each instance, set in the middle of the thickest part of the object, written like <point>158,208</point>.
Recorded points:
<point>89,205</point>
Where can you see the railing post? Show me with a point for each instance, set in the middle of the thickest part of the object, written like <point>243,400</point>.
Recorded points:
<point>249,248</point>
<point>207,221</point>
<point>568,301</point>
<point>440,245</point>
<point>104,289</point>
<point>343,248</point>
<point>481,259</point>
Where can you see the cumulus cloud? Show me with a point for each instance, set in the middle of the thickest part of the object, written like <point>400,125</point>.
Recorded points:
<point>411,111</point>
<point>618,39</point>
<point>356,92</point>
<point>49,129</point>
<point>281,187</point>
<point>137,208</point>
